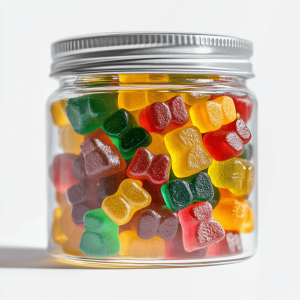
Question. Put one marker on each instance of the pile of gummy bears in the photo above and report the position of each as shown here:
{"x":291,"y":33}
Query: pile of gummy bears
{"x":153,"y":175}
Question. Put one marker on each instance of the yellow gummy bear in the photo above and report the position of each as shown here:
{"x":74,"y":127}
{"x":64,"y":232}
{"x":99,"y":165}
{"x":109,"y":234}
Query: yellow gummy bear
{"x":132,"y":99}
{"x":235,"y":174}
{"x":195,"y":97}
{"x":132,"y":245}
{"x":129,"y":198}
{"x":187,"y":151}
{"x":158,"y":145}
{"x":228,"y":109}
{"x":234,"y":214}
{"x":57,"y":235}
{"x":211,"y":115}
{"x":69,"y":140}
{"x":58,"y":112}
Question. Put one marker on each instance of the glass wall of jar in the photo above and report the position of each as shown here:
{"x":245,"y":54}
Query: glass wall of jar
{"x":152,"y":170}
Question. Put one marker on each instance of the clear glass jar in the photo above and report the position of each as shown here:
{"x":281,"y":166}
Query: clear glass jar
{"x":152,"y":170}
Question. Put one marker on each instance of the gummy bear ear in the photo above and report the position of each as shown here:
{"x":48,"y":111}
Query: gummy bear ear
{"x":202,"y":211}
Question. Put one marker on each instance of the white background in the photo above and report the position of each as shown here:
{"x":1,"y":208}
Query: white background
{"x":27,"y":28}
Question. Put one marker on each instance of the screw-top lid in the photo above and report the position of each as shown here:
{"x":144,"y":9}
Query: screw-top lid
{"x":141,"y":52}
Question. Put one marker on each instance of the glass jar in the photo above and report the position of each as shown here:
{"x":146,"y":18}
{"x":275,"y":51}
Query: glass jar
{"x":152,"y":147}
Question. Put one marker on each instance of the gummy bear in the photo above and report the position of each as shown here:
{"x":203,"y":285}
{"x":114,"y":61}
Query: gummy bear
{"x":129,"y":198}
{"x":211,"y":115}
{"x":87,"y":113}
{"x":155,"y":220}
{"x":230,"y":245}
{"x":235,"y":214}
{"x":179,"y":194}
{"x":145,"y":165}
{"x":227,"y":142}
{"x":101,"y":157}
{"x":235,"y":174}
{"x":187,"y":151}
{"x":101,"y":235}
{"x":83,"y":198}
{"x":120,"y":126}
{"x":243,"y":106}
{"x":174,"y":248}
{"x":132,"y":100}
{"x":199,"y":229}
{"x":58,"y":112}
{"x":158,"y":145}
{"x":61,"y":171}
{"x":69,"y":140}
{"x":133,"y":245}
{"x":79,"y":171}
{"x":163,"y":117}
{"x":57,"y":235}
{"x":72,"y":231}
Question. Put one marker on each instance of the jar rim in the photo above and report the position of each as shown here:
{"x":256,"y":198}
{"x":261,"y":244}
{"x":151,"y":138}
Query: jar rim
{"x":153,"y":53}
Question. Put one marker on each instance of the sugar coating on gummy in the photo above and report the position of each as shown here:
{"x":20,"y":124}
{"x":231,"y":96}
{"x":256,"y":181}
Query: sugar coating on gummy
{"x":230,"y":245}
{"x":187,"y":151}
{"x":179,"y":194}
{"x":128,"y":137}
{"x":154,"y":168}
{"x":129,"y":198}
{"x":101,"y":235}
{"x":235,"y":174}
{"x":163,"y":117}
{"x":61,"y":172}
{"x":155,"y":220}
{"x":227,"y":142}
{"x":101,"y":157}
{"x":199,"y":229}
{"x":87,"y":113}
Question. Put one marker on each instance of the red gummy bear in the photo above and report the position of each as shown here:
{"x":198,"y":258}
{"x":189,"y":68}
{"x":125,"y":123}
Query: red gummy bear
{"x":164,"y":117}
{"x":230,"y":245}
{"x":228,"y":141}
{"x":101,"y":157}
{"x":199,"y":229}
{"x":174,"y":249}
{"x":145,"y":165}
{"x":61,"y":171}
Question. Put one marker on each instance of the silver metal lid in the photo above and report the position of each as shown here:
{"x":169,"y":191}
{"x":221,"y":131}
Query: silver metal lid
{"x":142,"y":52}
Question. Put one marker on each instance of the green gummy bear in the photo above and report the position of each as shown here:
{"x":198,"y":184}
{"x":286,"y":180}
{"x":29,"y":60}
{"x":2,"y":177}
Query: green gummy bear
{"x":121,"y":128}
{"x":247,"y":152}
{"x":179,"y":194}
{"x":101,"y":235}
{"x":88,"y":112}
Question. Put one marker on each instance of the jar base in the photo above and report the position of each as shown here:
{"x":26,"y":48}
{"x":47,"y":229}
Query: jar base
{"x":133,"y":263}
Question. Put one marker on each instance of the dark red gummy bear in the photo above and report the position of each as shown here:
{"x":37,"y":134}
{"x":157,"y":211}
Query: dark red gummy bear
{"x":199,"y":229}
{"x":228,"y":141}
{"x":83,"y":198}
{"x":101,"y":157}
{"x":155,"y":191}
{"x":155,"y":220}
{"x":61,"y":171}
{"x":174,"y":248}
{"x":230,"y":245}
{"x":163,"y":117}
{"x":145,"y":165}
{"x":79,"y":167}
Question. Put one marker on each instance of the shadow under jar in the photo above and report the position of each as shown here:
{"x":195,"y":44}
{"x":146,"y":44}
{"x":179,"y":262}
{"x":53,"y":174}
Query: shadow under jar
{"x":152,"y":151}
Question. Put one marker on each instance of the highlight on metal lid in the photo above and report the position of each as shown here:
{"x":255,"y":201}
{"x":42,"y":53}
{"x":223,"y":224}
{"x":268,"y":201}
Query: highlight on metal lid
{"x":143,"y":52}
